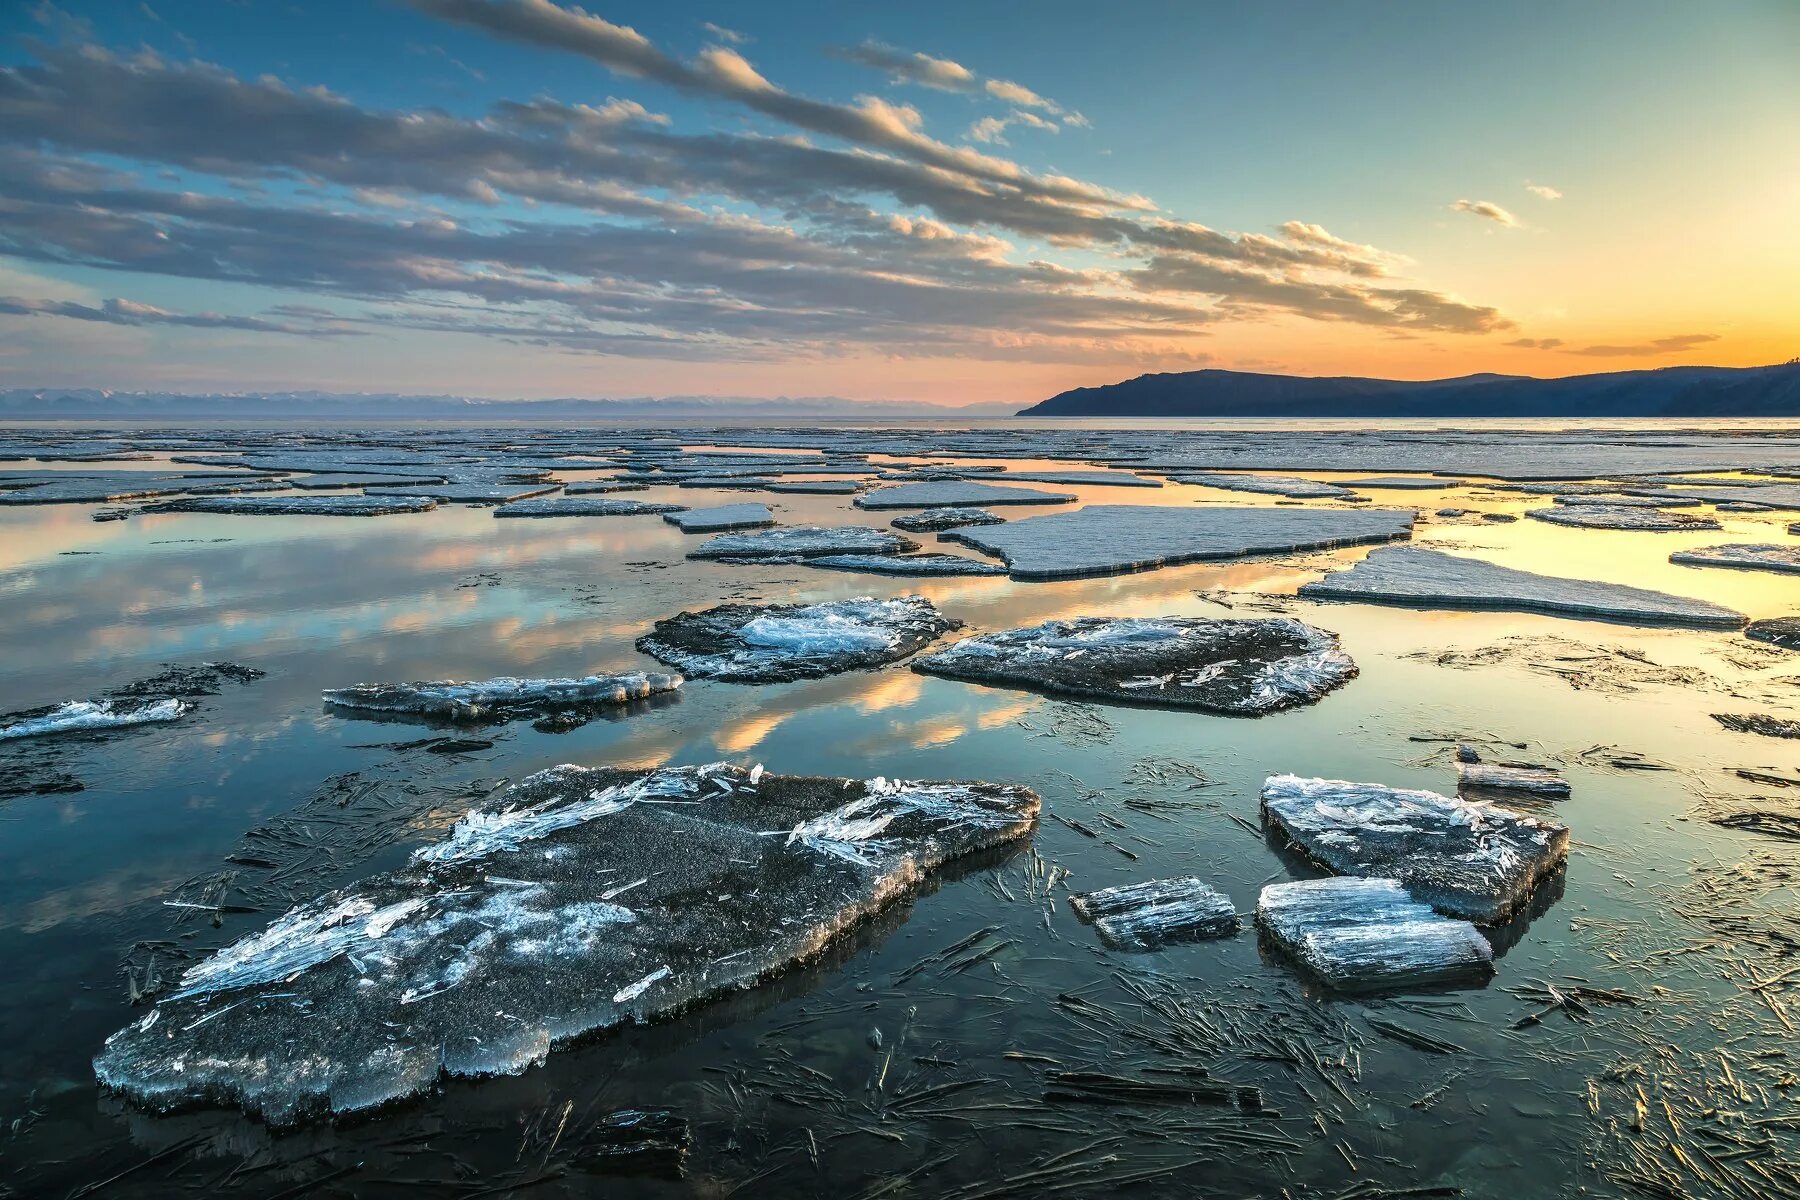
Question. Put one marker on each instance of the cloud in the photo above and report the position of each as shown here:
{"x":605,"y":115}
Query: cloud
{"x":1543,"y":191}
{"x":904,"y":66}
{"x":128,"y":312}
{"x":1487,"y":210}
{"x":993,"y":129}
{"x":1537,"y":343}
{"x":729,"y":36}
{"x":1674,"y":344}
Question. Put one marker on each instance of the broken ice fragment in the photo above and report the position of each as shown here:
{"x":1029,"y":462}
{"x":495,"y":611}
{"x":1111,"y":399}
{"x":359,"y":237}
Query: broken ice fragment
{"x":1463,"y":858}
{"x":955,"y":494}
{"x":804,"y":541}
{"x":906,"y":564}
{"x":500,"y":699}
{"x":79,"y":715}
{"x":633,"y":1142}
{"x":298,"y":506}
{"x":937,"y":520}
{"x":1474,"y":778}
{"x":1613,"y":516}
{"x":489,"y":949}
{"x":1746,"y":556}
{"x":1239,"y":667}
{"x":1290,"y":486}
{"x":581,"y":506}
{"x":749,"y":643}
{"x":1776,"y":631}
{"x":721,"y":517}
{"x":1369,"y":934}
{"x":1142,"y":916}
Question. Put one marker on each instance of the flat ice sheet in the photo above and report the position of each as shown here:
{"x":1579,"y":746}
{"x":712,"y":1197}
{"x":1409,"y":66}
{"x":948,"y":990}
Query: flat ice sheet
{"x":1415,"y":575}
{"x":772,"y":643}
{"x":1617,"y":516}
{"x":804,"y":541}
{"x":582,"y":506}
{"x":955,"y":494}
{"x":1747,"y":556}
{"x":1111,"y":539}
{"x":1365,"y":935}
{"x":906,"y":564}
{"x":577,"y":901}
{"x":721,"y":517}
{"x":1290,"y":486}
{"x":499,"y":699}
{"x":298,"y":506}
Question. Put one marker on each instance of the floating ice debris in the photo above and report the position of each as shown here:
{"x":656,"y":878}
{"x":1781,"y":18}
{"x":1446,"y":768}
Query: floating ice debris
{"x":1369,"y":935}
{"x":1465,"y":859}
{"x":1759,"y":723}
{"x":1747,"y":556}
{"x":1110,"y":539}
{"x":907,"y":564}
{"x":79,"y":715}
{"x":1236,"y":666}
{"x":955,"y":494}
{"x":633,"y":1142}
{"x":721,"y":517}
{"x":936,"y":520}
{"x":1610,"y":516}
{"x":1415,"y":575}
{"x":500,"y":699}
{"x":1776,"y":631}
{"x":1474,"y":778}
{"x":751,"y":643}
{"x":489,"y":949}
{"x":298,"y":506}
{"x":1142,"y":916}
{"x":469,"y":493}
{"x":805,"y":541}
{"x":579,"y":506}
{"x":1293,"y":487}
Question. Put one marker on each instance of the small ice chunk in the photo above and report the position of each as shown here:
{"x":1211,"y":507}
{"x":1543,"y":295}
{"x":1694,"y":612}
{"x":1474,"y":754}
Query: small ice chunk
{"x":79,"y":715}
{"x":1370,"y":935}
{"x":1743,"y":555}
{"x":1143,"y":916}
{"x":937,"y":520}
{"x":1477,"y":777}
{"x":721,"y":517}
{"x":502,"y":699}
{"x":1464,"y":858}
{"x":749,"y":643}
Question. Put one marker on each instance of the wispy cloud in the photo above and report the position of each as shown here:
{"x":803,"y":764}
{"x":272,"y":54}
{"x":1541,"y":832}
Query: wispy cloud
{"x":1674,"y":344}
{"x":1487,"y":210}
{"x":1543,"y":191}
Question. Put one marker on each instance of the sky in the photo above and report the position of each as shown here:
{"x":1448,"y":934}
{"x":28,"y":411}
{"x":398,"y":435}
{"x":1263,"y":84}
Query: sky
{"x":950,"y":203}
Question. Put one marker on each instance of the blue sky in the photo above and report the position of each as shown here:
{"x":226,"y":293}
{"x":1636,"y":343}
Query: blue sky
{"x":1319,"y":188}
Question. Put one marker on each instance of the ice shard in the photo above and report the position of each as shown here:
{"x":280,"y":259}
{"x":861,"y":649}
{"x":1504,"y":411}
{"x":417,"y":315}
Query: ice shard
{"x":1465,"y":859}
{"x":773,"y":643}
{"x":1243,"y":667}
{"x":79,"y":715}
{"x":1370,"y":935}
{"x":577,"y":901}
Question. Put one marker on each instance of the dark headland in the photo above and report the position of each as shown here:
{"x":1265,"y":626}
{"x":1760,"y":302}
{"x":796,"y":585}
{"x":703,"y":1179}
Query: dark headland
{"x":1772,"y":391}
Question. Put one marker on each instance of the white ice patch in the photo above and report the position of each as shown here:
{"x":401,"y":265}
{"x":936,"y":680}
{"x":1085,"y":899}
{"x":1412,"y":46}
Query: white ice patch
{"x":93,"y":714}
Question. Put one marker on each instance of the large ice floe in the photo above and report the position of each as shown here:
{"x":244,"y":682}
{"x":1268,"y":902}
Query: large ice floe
{"x":1743,"y":555}
{"x":772,"y":643}
{"x":1293,"y":487}
{"x":470,"y":493}
{"x":1463,"y":858}
{"x":577,"y":901}
{"x":956,"y":494}
{"x":77,"y":716}
{"x":1370,"y":935}
{"x":792,"y":542}
{"x":502,"y":699}
{"x":298,"y":506}
{"x":1243,"y":667}
{"x":906,"y":564}
{"x":721,"y":517}
{"x":1616,"y":516}
{"x":581,"y":506}
{"x":936,"y":520}
{"x":1430,"y":578}
{"x":1110,"y":539}
{"x":1157,"y":912}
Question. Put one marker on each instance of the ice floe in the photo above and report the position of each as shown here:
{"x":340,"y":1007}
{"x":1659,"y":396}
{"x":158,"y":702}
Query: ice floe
{"x":721,"y":517}
{"x":500,"y":699}
{"x":79,"y":715}
{"x":956,"y":494}
{"x":1614,"y":516}
{"x":937,"y":520}
{"x":804,"y":541}
{"x":1415,"y":575}
{"x":298,"y":506}
{"x":1110,"y":539}
{"x":1244,"y":667}
{"x":1463,"y":858}
{"x":1473,"y":779}
{"x":906,"y":564}
{"x":752,"y":643}
{"x":469,"y":493}
{"x":581,"y":506}
{"x":577,"y":901}
{"x":1746,"y":556}
{"x":1293,"y":487}
{"x":1370,"y":935}
{"x":1143,"y":916}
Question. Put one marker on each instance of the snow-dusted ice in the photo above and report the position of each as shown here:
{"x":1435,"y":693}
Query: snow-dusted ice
{"x":1244,"y":667}
{"x":721,"y":517}
{"x":1111,"y":539}
{"x":937,"y":520}
{"x":751,"y":643}
{"x":581,"y":506}
{"x":906,"y":564}
{"x":79,"y":715}
{"x":1291,"y":486}
{"x":500,"y":699}
{"x":1475,"y":778}
{"x":1614,"y":516}
{"x":804,"y":541}
{"x":299,"y":506}
{"x":1371,"y":935}
{"x":469,"y":493}
{"x":1415,"y":575}
{"x":1143,"y":916}
{"x":956,"y":494}
{"x":1760,"y":556}
{"x":577,"y":901}
{"x":1465,"y":859}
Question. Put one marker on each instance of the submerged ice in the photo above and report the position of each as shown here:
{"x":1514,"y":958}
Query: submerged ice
{"x":577,"y":901}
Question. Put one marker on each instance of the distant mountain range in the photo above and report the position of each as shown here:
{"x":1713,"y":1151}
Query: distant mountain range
{"x":82,"y":404}
{"x":1667,"y":392}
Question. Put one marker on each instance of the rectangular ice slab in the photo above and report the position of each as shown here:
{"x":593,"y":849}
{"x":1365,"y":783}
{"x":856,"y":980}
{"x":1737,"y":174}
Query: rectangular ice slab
{"x":804,"y":541}
{"x":721,"y":517}
{"x":581,"y":506}
{"x":298,"y":506}
{"x":1143,"y":916}
{"x":499,"y":699}
{"x":1415,"y":575}
{"x":954,"y":494}
{"x":1111,"y":539}
{"x":1745,"y":556}
{"x":1370,"y":935}
{"x":577,"y":901}
{"x":936,"y":520}
{"x":1241,"y":667}
{"x":1497,"y":777}
{"x":1463,"y":858}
